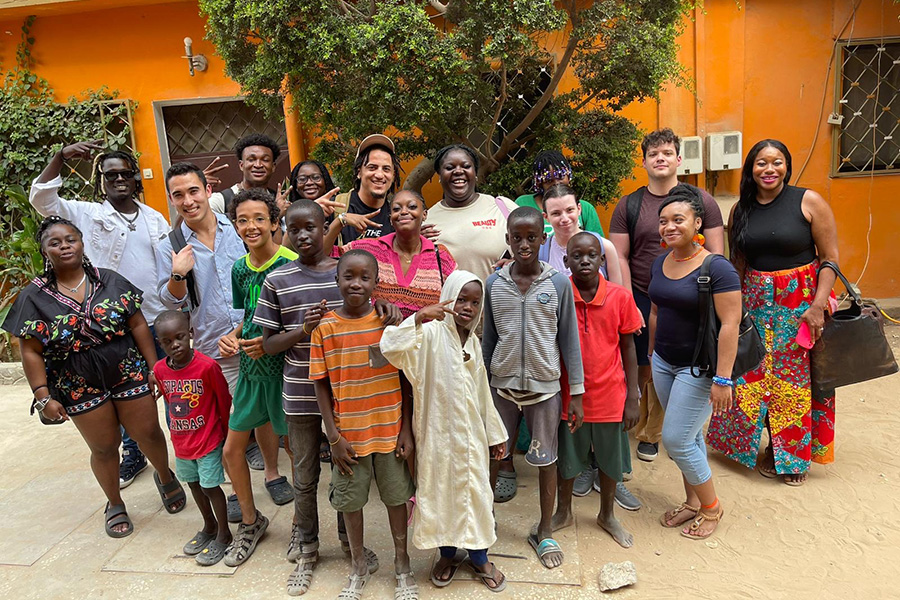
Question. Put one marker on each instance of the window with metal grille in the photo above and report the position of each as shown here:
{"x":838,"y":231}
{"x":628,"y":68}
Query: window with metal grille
{"x":867,"y":94}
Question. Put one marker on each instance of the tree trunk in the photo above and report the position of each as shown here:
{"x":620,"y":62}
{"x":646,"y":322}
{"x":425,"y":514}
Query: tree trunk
{"x":420,"y":175}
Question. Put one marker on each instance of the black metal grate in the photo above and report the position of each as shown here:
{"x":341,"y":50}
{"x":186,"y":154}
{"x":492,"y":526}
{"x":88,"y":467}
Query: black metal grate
{"x":869,"y":100}
{"x":215,"y":127}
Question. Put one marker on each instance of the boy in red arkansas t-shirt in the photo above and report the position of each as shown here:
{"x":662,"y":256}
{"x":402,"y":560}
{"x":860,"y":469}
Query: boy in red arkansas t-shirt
{"x":198,"y":404}
{"x":607,"y":316}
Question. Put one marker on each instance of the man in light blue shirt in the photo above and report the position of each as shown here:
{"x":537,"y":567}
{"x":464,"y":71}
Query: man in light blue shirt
{"x":212,"y":248}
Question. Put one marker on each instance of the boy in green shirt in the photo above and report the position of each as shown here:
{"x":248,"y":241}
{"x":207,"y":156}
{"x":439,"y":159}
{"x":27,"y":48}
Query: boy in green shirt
{"x":257,"y":395}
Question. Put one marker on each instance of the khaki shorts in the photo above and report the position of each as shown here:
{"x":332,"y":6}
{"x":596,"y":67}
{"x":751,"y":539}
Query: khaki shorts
{"x":349,"y":493}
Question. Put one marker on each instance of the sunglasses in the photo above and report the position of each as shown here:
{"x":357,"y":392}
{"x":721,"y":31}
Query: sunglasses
{"x":113,"y":175}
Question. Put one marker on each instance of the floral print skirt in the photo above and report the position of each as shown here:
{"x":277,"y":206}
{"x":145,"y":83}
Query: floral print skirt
{"x":801,"y":426}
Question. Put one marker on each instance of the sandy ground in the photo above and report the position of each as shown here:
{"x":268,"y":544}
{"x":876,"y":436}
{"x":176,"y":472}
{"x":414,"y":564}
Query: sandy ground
{"x":836,"y":537}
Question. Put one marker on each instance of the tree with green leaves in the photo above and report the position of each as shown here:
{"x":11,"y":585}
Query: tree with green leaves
{"x":486,"y":73}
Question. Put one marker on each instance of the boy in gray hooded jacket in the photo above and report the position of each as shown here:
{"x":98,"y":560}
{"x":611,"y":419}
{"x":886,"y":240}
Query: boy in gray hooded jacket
{"x":530,"y":332}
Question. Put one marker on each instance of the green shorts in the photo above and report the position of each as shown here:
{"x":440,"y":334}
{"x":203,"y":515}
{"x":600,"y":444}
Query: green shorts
{"x":575,"y":449}
{"x":208,"y":469}
{"x":349,"y":493}
{"x":257,"y":402}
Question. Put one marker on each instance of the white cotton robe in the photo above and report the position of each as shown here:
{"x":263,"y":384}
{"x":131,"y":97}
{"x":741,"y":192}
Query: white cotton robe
{"x":454,"y":423}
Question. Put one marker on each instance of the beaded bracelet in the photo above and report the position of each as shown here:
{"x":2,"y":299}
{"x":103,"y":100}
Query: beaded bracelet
{"x":723,"y":381}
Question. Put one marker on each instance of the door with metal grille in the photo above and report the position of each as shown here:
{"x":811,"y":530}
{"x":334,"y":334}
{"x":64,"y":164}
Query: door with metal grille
{"x":200,"y":132}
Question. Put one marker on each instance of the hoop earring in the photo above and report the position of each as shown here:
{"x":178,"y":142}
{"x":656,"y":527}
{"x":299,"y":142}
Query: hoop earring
{"x":699,"y":239}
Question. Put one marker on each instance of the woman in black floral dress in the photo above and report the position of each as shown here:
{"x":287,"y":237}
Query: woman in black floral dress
{"x":85,"y":350}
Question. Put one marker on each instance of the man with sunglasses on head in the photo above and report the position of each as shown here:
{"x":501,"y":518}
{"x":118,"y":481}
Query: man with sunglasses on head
{"x":120,"y":233}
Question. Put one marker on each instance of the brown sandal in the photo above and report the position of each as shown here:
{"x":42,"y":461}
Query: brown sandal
{"x":763,"y":470}
{"x":699,"y":520}
{"x":669,"y":515}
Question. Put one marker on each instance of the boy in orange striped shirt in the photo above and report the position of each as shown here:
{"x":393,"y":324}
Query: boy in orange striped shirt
{"x":367,"y":418}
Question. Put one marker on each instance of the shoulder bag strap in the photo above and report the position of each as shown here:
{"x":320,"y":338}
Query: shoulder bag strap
{"x":502,"y":206}
{"x":178,"y":242}
{"x":705,"y":297}
{"x":850,"y":289}
{"x":437,"y":257}
{"x":632,"y":212}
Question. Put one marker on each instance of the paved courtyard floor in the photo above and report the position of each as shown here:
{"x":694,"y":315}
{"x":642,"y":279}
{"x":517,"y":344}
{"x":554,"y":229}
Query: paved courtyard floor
{"x":836,"y":537}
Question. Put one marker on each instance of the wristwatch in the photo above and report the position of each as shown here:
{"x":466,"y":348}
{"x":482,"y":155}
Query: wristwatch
{"x":178,"y":277}
{"x":41,"y":404}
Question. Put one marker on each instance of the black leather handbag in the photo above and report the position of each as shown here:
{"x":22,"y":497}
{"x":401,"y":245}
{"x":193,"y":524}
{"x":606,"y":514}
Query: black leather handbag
{"x":853,"y":347}
{"x":750,"y":352}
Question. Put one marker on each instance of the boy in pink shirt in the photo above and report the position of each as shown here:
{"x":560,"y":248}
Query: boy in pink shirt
{"x":198,"y":403}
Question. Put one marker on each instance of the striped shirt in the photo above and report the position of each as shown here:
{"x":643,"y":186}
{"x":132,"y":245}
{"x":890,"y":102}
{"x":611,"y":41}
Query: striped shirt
{"x":286,"y":295}
{"x":365,"y":386}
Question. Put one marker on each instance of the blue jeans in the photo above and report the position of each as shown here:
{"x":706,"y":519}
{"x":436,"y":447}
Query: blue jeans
{"x":128,"y":443}
{"x":685,"y":399}
{"x":478,"y":557}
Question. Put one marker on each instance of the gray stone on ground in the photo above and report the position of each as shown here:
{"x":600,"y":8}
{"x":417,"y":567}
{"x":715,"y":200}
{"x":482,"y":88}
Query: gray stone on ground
{"x":617,"y":575}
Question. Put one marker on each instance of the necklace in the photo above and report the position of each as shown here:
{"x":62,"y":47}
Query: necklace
{"x":407,"y":258}
{"x":694,"y":255}
{"x":74,"y":290}
{"x":131,"y":225}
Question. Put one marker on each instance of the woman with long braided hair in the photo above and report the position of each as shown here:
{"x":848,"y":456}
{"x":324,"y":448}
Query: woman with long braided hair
{"x":88,"y":354}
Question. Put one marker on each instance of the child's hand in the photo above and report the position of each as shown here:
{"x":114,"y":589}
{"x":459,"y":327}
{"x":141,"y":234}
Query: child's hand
{"x":632,"y":413}
{"x":576,"y":413}
{"x":435,"y":312}
{"x":314,"y":315}
{"x":253,"y":348}
{"x":155,"y":391}
{"x":343,"y":456}
{"x":405,"y":444}
{"x":498,"y":451}
{"x":389,"y":313}
{"x":229,"y":345}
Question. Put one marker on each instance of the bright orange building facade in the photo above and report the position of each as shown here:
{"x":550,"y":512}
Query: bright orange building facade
{"x":761,"y":67}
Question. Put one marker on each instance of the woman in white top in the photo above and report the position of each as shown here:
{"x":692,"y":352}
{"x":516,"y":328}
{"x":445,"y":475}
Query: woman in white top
{"x":562,"y":210}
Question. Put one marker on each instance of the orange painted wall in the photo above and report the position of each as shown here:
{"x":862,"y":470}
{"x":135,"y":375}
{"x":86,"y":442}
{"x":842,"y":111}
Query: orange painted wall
{"x":136,"y":50}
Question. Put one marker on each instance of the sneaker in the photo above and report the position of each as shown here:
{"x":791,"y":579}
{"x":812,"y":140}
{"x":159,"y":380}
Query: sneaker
{"x":582,"y":486}
{"x":647,"y":451}
{"x":245,"y":541}
{"x":626,"y":499}
{"x":129,"y":468}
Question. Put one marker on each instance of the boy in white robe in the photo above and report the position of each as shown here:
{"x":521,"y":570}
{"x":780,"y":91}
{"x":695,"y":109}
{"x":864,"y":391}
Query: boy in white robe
{"x":453,"y":418}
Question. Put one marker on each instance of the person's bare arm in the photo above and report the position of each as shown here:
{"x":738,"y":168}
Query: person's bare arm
{"x":824,"y":233}
{"x":613,"y":266}
{"x":728,"y":309}
{"x":36,"y":373}
{"x":652,"y":342}
{"x":715,"y":240}
{"x":622,"y":242}
{"x":280,"y":341}
{"x":81,"y":150}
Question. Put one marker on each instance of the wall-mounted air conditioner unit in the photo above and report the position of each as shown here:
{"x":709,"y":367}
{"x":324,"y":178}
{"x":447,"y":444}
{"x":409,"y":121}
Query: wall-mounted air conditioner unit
{"x":723,"y":151}
{"x":691,"y":156}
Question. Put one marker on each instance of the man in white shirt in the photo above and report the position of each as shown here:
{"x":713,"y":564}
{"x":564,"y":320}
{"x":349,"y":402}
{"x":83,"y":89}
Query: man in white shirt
{"x":120,"y":233}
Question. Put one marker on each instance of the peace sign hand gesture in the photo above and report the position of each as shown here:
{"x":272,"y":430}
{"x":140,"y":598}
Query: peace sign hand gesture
{"x":80,"y":150}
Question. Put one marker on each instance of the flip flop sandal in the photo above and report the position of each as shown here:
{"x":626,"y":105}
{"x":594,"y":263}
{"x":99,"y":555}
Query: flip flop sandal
{"x":495,"y":572}
{"x":255,"y":457}
{"x":455,"y":563}
{"x":405,"y":590}
{"x":197,"y":543}
{"x":545,"y":547}
{"x":116,"y":515}
{"x":355,"y":588}
{"x":171,"y":502}
{"x":280,"y":491}
{"x":212,"y":554}
{"x":768,"y":474}
{"x":698,"y":521}
{"x":300,"y":579}
{"x":506,"y":487}
{"x":666,"y":516}
{"x":792,"y":482}
{"x":233,"y":508}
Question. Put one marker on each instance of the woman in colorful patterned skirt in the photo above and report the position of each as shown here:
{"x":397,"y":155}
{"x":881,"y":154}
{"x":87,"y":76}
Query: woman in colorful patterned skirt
{"x":85,"y":352}
{"x":779,"y":235}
